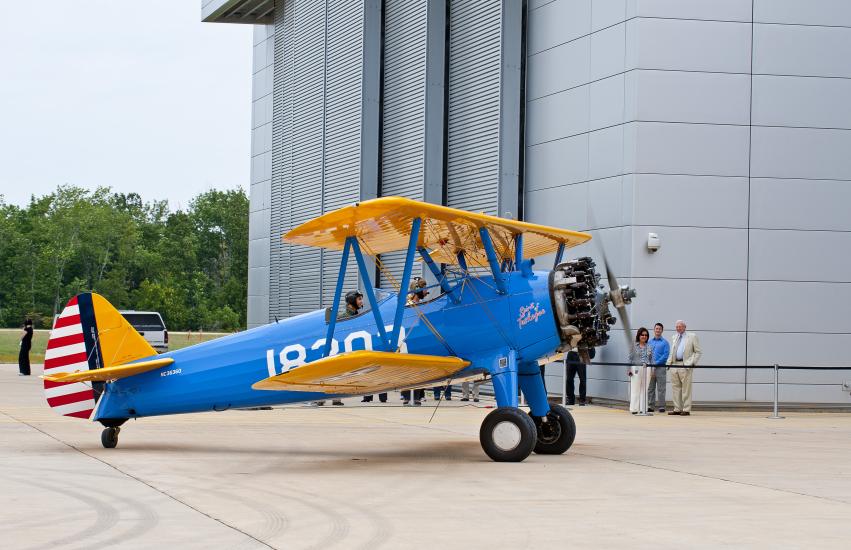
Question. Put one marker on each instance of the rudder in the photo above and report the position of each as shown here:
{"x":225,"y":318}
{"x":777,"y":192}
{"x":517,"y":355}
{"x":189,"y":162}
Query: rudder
{"x":89,"y":334}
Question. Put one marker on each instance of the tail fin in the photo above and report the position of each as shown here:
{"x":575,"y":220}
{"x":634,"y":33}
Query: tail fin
{"x":88,"y":334}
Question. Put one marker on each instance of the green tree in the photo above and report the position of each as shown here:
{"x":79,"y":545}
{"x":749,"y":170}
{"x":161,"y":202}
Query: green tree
{"x":190,"y":265}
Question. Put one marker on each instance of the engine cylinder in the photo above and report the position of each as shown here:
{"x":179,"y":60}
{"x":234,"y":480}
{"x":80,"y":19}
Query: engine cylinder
{"x":580,"y":304}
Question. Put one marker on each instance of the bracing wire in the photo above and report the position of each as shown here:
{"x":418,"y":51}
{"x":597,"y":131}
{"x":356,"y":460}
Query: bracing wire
{"x":416,"y":307}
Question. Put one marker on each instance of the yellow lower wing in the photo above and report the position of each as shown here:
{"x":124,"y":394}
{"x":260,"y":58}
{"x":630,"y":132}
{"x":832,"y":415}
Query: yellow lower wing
{"x":109,"y":374}
{"x":364,"y":372}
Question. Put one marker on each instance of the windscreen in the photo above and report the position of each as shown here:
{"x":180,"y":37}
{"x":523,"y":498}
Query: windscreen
{"x":144,"y":321}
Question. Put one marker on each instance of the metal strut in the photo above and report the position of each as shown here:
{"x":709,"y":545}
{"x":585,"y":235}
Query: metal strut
{"x":406,"y":279}
{"x":338,"y":291}
{"x":370,"y":294}
{"x":441,"y":277}
{"x":559,"y":255}
{"x":490,"y":252}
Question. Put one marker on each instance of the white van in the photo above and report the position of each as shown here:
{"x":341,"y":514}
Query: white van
{"x":150,"y":325}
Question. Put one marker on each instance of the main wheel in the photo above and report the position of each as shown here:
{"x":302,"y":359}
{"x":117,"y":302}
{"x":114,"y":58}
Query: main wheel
{"x":508,"y":435}
{"x":555,"y":432}
{"x":109,"y":437}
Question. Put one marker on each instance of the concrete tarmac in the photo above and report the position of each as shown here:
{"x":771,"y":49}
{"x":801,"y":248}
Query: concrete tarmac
{"x":384,"y":476}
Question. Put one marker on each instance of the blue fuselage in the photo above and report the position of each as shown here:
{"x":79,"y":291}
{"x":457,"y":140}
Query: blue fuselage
{"x":218,"y":375}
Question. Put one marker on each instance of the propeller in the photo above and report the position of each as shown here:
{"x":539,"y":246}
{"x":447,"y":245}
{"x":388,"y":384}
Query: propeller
{"x":619,"y":295}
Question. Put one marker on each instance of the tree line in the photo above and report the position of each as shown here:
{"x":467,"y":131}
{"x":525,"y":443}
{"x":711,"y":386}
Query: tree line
{"x":190,"y":264}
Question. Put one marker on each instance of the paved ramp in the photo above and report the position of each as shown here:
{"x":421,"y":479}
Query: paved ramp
{"x":383,"y":476}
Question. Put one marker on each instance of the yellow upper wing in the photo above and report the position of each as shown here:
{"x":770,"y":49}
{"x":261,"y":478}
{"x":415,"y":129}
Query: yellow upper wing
{"x":384,"y":225}
{"x":364,"y":372}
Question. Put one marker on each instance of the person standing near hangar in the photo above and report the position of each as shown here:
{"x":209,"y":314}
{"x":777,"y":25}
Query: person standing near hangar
{"x":685,"y":354}
{"x":656,"y":389}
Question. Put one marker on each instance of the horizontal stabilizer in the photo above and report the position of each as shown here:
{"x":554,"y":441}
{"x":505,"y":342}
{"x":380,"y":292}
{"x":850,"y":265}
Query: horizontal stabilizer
{"x":108,"y":374}
{"x":363,"y":372}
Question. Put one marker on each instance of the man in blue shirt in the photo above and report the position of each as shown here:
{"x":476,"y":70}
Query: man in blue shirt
{"x":661,"y":350}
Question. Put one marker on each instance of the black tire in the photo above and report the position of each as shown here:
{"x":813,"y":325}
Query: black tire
{"x":508,"y":435}
{"x":109,"y":437}
{"x":555,"y":432}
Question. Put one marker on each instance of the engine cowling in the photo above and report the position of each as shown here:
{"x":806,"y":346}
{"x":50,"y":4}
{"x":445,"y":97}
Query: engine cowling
{"x":581,"y":305}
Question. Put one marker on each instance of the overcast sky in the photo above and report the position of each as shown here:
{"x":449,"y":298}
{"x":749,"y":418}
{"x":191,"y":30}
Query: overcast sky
{"x":138,"y":95}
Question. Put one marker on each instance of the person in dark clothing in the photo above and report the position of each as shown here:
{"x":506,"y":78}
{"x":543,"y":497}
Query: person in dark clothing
{"x":447,"y":392}
{"x":576,"y":366}
{"x":418,"y":397}
{"x":368,"y":398}
{"x":26,"y":346}
{"x":354,"y":303}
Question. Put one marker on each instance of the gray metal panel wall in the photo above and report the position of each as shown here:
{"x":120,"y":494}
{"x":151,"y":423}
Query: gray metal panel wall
{"x":322,"y":106}
{"x":413,"y":115}
{"x":475,"y":46}
{"x":724,"y":137}
{"x":308,"y":117}
{"x":404,"y":108}
{"x":402,"y":154}
{"x":342,"y":141}
{"x":279,"y":295}
{"x":259,"y":269}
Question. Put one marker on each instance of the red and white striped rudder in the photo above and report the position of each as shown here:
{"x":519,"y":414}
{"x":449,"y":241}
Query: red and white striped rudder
{"x":69,"y":351}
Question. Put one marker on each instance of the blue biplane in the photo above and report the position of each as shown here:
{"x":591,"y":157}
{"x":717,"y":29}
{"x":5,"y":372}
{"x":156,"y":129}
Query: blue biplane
{"x":493,"y":317}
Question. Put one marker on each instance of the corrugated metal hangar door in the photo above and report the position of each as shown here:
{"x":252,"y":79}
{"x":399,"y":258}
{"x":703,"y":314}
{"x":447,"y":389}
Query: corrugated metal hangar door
{"x":318,"y":122}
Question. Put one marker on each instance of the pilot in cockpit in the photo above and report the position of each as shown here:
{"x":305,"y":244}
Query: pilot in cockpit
{"x":417,"y":291}
{"x":354,"y":303}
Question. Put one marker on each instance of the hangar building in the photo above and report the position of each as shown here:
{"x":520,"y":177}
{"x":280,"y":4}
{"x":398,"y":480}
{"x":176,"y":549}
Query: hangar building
{"x":722,"y":126}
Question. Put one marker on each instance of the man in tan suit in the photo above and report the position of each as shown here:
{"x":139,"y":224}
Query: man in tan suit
{"x":685,"y":353}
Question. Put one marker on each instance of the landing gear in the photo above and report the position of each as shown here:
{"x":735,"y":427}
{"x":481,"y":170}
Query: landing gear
{"x":555,"y":432}
{"x":508,"y":435}
{"x":109,"y":437}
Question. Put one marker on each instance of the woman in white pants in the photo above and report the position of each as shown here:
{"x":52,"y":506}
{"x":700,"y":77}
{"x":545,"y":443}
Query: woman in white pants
{"x":642,"y":354}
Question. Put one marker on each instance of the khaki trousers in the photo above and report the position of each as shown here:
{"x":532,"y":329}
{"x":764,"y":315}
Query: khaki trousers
{"x":681,"y":378}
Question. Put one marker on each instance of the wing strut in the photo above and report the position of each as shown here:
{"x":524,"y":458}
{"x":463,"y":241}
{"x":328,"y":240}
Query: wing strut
{"x":338,"y":291}
{"x":559,"y":255}
{"x":518,"y":250}
{"x":462,"y":260}
{"x":385,"y":343}
{"x":403,"y":286}
{"x":441,"y":277}
{"x":490,"y":252}
{"x":388,"y":343}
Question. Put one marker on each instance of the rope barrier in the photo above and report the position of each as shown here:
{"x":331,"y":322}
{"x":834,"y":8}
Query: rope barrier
{"x":775,"y":414}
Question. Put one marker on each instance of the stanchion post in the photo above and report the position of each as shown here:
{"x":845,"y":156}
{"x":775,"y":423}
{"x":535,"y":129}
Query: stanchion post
{"x":776,"y":413}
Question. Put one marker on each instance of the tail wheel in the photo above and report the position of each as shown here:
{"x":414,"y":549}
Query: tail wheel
{"x":508,"y":435}
{"x":109,"y":437}
{"x":555,"y":432}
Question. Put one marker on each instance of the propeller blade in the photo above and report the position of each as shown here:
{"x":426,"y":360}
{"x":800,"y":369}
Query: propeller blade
{"x":614,"y":288}
{"x":613,"y":282}
{"x":627,"y":327}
